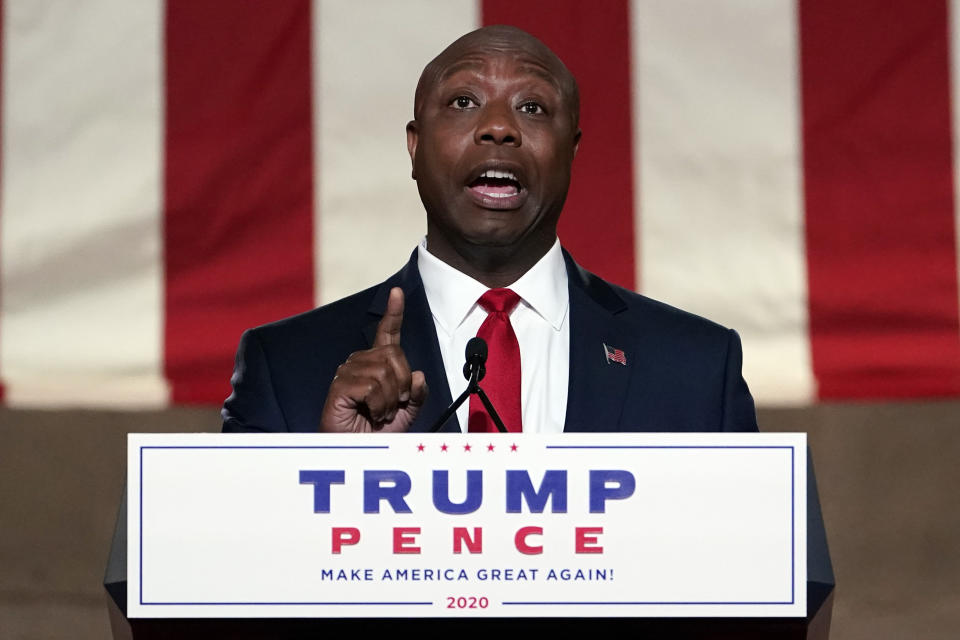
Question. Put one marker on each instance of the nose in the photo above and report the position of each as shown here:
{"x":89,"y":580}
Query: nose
{"x":498,"y":126}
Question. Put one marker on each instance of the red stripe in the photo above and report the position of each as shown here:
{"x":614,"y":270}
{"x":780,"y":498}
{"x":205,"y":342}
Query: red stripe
{"x":879,"y":196}
{"x":238,"y":182}
{"x":597,"y":225}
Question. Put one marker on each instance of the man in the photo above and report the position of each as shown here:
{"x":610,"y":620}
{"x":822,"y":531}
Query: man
{"x":492,"y":142}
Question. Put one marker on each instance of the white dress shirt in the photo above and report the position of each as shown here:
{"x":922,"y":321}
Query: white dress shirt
{"x":540,"y":321}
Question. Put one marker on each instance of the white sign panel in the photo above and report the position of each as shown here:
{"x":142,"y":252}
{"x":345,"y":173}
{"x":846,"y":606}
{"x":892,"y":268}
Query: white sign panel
{"x":431,"y":525}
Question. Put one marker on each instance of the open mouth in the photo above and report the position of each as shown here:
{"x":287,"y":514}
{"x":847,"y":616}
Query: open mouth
{"x":496,"y":183}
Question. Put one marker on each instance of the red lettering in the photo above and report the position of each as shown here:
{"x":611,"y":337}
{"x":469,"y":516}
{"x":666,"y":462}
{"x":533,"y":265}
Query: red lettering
{"x":520,"y":540}
{"x":586,"y":542}
{"x":462,"y":537}
{"x":404,"y":540}
{"x":343,"y":536}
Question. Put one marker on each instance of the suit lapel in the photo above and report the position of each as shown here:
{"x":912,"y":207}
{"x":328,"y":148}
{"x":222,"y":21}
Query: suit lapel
{"x":597,"y":387}
{"x":418,"y":338}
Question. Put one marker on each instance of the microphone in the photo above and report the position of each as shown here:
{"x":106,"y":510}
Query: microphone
{"x":474,"y":369}
{"x":476,"y":355}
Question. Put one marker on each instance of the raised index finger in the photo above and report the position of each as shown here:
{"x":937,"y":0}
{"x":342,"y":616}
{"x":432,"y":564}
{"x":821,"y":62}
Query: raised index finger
{"x":388,"y":331}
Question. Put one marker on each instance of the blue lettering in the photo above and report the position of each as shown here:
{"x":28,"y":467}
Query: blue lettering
{"x":600,"y":492}
{"x":441,"y":492}
{"x":321,"y":481}
{"x":374,"y":491}
{"x":520,"y":487}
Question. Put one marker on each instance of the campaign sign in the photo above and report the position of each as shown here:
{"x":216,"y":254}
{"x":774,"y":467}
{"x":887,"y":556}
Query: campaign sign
{"x":431,"y":525}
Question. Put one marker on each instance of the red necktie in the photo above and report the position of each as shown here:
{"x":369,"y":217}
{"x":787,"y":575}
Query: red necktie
{"x":502,"y":382}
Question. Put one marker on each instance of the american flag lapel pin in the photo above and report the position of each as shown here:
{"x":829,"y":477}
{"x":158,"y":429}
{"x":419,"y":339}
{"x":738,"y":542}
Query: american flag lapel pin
{"x":614,"y":355}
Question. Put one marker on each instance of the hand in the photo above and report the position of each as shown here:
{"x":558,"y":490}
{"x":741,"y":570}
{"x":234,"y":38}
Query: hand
{"x":374,"y":390}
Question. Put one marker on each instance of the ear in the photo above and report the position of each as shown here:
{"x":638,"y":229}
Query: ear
{"x":412,"y":136}
{"x":576,"y":141}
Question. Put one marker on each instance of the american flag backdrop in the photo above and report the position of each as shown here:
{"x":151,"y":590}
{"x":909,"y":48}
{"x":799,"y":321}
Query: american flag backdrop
{"x":174,"y":172}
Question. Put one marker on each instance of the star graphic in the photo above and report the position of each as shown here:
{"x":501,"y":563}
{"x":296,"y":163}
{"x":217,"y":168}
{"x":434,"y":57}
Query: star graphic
{"x":443,"y":447}
{"x":420,"y":447}
{"x":489,"y":447}
{"x":513,"y":447}
{"x":466,"y":447}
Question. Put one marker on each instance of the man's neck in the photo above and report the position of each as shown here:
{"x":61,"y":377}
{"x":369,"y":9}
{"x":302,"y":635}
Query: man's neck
{"x":494,"y":267}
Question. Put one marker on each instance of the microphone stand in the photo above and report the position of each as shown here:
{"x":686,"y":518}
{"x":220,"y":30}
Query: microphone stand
{"x":473,"y":386}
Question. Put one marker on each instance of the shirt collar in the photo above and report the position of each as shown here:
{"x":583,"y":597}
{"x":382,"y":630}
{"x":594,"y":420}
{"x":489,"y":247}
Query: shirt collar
{"x":453,"y":294}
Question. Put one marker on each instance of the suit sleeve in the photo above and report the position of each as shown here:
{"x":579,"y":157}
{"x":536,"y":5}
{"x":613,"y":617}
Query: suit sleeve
{"x":252,"y":406}
{"x":739,"y":413}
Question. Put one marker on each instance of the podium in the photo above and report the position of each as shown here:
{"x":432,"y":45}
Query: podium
{"x":816,"y":624}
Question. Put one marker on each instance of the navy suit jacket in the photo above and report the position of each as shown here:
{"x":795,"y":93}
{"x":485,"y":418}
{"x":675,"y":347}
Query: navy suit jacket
{"x":682,"y":372}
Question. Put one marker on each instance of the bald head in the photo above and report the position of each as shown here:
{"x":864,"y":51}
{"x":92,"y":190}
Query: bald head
{"x":500,"y":40}
{"x":491,"y":145}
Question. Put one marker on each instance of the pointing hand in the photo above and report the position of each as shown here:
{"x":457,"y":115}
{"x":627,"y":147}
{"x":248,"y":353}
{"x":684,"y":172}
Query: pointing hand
{"x":374,"y":390}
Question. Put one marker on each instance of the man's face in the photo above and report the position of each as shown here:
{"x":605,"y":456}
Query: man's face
{"x":491,"y":148}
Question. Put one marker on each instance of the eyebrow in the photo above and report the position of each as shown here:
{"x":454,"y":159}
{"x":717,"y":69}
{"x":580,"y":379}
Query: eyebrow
{"x":527,"y":66}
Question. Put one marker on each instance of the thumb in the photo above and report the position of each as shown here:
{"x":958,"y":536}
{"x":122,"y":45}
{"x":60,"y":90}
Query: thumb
{"x":418,"y":389}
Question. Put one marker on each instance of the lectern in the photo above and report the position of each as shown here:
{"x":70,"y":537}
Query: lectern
{"x":745,"y":565}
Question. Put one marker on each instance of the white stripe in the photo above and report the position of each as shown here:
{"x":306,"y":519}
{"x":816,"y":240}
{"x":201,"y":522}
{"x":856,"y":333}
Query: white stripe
{"x":367,"y":59}
{"x":719,"y":201}
{"x":81,"y":231}
{"x":953,"y":9}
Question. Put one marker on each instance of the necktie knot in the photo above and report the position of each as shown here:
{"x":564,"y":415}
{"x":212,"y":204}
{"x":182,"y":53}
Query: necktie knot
{"x":499,"y":301}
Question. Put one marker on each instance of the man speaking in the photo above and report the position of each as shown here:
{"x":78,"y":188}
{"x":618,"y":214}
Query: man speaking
{"x":492,"y":143}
